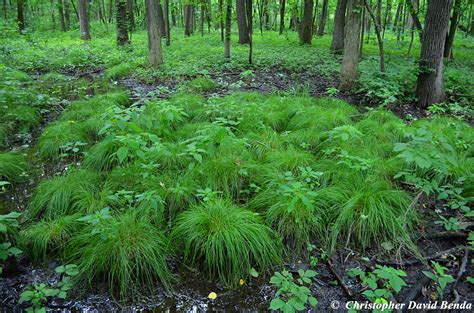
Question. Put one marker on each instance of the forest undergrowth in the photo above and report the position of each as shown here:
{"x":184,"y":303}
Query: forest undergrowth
{"x":133,"y":179}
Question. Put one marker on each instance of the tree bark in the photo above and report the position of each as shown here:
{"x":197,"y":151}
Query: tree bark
{"x":430,"y":87}
{"x":415,"y":19}
{"x":130,"y":16}
{"x":249,"y":9}
{"x":306,"y":27}
{"x":242,"y":22}
{"x":221,"y":19}
{"x":228,"y":17}
{"x":62,"y":23}
{"x":67,"y":14}
{"x":350,"y":58}
{"x":337,"y":44}
{"x":397,"y":16}
{"x":83,"y":20}
{"x":161,"y":20}
{"x":448,"y":47}
{"x":53,"y":19}
{"x":188,"y":22}
{"x":282,"y":16}
{"x":322,"y":21}
{"x":155,"y":53}
{"x":122,"y":29}
{"x":166,"y":10}
{"x":378,"y":30}
{"x":20,"y":16}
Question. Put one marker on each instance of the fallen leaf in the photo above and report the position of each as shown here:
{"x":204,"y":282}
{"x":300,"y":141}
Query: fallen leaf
{"x":212,"y":295}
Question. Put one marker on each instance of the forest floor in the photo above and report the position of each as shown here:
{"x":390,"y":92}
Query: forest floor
{"x":332,"y":287}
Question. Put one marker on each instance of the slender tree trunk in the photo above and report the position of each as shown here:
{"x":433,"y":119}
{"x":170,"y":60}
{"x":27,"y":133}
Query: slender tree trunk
{"x":448,"y":47}
{"x":322,"y":21}
{"x":249,"y":9}
{"x":161,"y":20}
{"x":397,"y":16}
{"x":4,"y":7}
{"x":20,"y":16}
{"x":388,"y":17}
{"x":350,"y":59}
{"x":282,"y":16}
{"x":378,"y":30}
{"x":83,"y":20}
{"x":362,"y":31}
{"x":242,"y":21}
{"x":201,"y":18}
{"x":122,"y":29}
{"x":430,"y":87}
{"x":67,"y":15}
{"x":130,"y":16}
{"x":61,"y":15}
{"x":337,"y":44}
{"x":51,"y":9}
{"x":111,"y":10}
{"x":167,"y":22}
{"x":228,"y":17}
{"x":414,"y":17}
{"x":306,"y":31}
{"x":155,"y":53}
{"x":188,"y":16}
{"x":221,"y":19}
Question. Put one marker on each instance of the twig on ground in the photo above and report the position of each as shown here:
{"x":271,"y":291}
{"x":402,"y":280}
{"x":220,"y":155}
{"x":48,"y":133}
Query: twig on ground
{"x":461,"y":271}
{"x":446,"y":235}
{"x":339,"y":279}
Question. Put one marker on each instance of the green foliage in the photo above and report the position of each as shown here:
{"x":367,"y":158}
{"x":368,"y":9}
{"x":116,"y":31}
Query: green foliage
{"x":56,"y":138}
{"x":373,"y":212}
{"x":48,"y":236}
{"x":227,"y":241}
{"x":13,"y":167}
{"x":62,"y":195}
{"x":382,"y":283}
{"x":8,"y":225}
{"x":119,"y":71}
{"x":200,"y":84}
{"x":292,"y":294}
{"x":439,"y":277}
{"x":38,"y":295}
{"x":127,"y":251}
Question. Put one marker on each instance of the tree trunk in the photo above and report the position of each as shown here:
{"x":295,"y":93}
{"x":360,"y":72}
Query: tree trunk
{"x":415,"y":19}
{"x":430,"y":87}
{"x":378,"y":30}
{"x":83,"y":20}
{"x":448,"y":47}
{"x":122,"y":31}
{"x":161,"y":20}
{"x":155,"y":53}
{"x":282,"y":16}
{"x":337,"y":44}
{"x":221,"y":19}
{"x":61,"y":15}
{"x":228,"y":17}
{"x":242,"y":22}
{"x":322,"y":21}
{"x":397,"y":16}
{"x":306,"y":28}
{"x":388,"y":17}
{"x":188,"y":15}
{"x":20,"y":17}
{"x":51,"y":9}
{"x":67,"y":14}
{"x":249,"y":9}
{"x":167,"y":21}
{"x":130,"y":16}
{"x":350,"y":58}
{"x":4,"y":7}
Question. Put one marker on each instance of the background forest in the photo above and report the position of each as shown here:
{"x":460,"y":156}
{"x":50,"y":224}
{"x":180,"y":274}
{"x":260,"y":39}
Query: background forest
{"x":236,"y":155}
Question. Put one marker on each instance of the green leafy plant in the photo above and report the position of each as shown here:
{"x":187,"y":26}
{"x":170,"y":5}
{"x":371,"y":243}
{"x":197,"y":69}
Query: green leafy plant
{"x":383,"y":282}
{"x":8,"y":225}
{"x":439,"y":277}
{"x":292,"y":293}
{"x":38,"y":295}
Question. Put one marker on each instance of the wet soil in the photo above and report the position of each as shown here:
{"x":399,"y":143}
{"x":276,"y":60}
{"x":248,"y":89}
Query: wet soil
{"x":191,"y":292}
